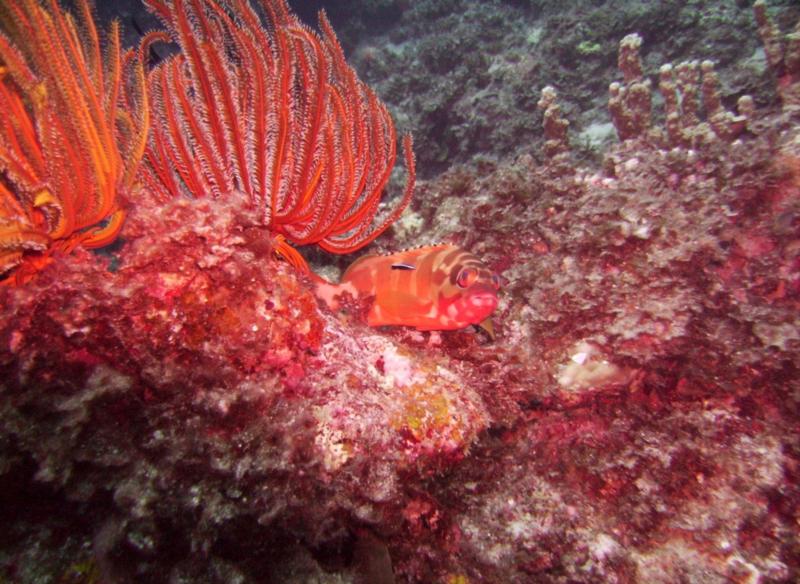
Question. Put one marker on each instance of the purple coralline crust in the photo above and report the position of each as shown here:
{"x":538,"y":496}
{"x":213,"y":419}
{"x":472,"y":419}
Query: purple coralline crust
{"x":649,"y":342}
{"x":636,"y":419}
{"x":632,"y":495}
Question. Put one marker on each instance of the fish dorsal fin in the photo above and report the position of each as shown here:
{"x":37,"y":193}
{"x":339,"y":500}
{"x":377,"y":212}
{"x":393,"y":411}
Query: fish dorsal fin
{"x":410,"y":256}
{"x":405,"y":257}
{"x":416,"y":250}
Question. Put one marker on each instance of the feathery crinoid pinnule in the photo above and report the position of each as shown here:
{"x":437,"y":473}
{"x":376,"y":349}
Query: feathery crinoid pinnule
{"x":72,"y":133}
{"x":273,"y":113}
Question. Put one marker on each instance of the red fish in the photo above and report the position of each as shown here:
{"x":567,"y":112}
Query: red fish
{"x":440,"y":287}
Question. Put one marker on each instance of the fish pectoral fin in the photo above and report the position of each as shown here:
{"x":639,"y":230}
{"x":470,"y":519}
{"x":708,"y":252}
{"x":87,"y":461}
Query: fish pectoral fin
{"x":401,"y":303}
{"x":399,"y":308}
{"x":488,"y":326}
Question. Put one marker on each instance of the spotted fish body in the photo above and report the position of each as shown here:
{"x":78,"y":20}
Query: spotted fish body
{"x":441,"y":287}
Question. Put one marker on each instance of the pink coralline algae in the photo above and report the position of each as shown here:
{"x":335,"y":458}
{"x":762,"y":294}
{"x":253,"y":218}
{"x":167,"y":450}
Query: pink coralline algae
{"x":214,"y":358}
{"x":197,"y":415}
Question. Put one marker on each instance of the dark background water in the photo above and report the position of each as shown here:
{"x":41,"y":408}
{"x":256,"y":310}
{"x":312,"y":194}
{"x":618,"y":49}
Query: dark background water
{"x":465,"y":77}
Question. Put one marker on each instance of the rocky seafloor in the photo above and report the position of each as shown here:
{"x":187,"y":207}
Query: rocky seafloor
{"x":182,"y":408}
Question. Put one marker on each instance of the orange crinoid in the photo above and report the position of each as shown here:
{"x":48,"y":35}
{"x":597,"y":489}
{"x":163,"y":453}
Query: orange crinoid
{"x":274,"y":114}
{"x":70,"y":137}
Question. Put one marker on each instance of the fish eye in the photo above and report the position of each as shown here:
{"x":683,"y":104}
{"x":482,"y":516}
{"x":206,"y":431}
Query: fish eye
{"x":466,"y":277}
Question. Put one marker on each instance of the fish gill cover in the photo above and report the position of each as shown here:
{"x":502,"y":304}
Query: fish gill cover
{"x":197,"y":415}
